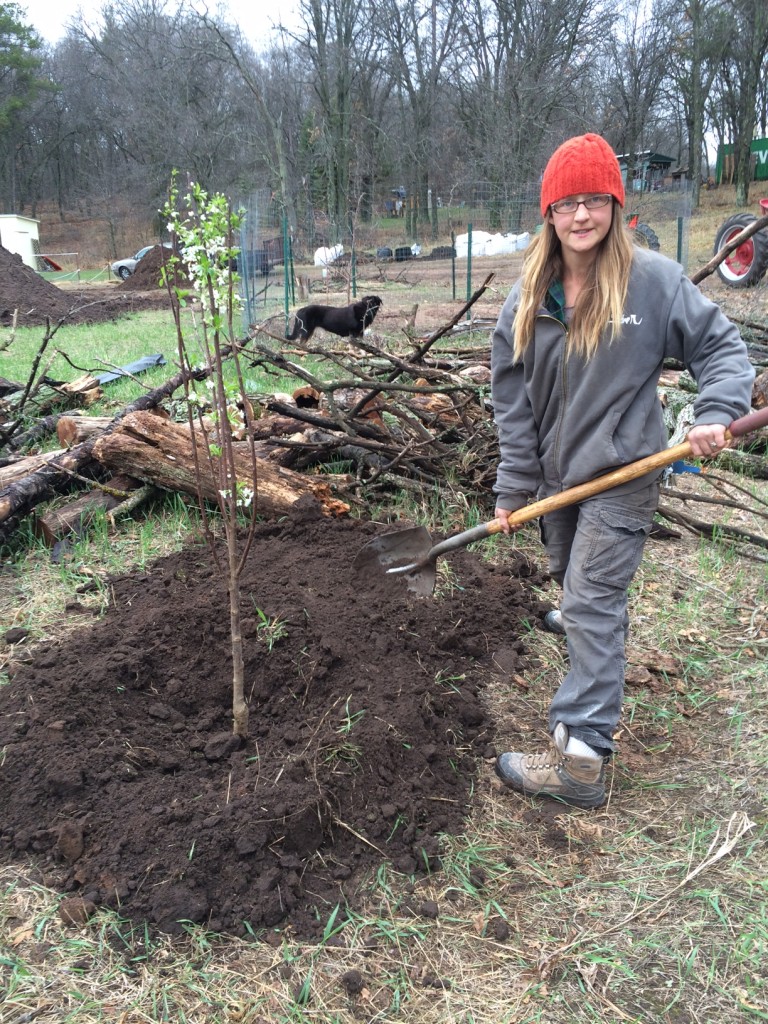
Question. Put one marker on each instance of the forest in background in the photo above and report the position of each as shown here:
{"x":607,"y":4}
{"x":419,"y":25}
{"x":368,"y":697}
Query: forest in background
{"x":435,"y":97}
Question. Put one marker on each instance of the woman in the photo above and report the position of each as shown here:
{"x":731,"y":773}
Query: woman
{"x":577,"y":354}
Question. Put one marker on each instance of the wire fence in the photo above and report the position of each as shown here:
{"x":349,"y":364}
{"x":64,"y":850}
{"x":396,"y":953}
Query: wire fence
{"x":453,"y":226}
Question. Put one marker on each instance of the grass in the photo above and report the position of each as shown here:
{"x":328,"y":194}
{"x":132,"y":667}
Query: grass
{"x":651,"y":909}
{"x":77,"y":276}
{"x":97,"y":348}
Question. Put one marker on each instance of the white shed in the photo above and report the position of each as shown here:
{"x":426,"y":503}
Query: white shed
{"x":20,"y":235}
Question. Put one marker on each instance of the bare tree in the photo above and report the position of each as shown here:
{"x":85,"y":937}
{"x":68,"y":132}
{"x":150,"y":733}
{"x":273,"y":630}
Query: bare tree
{"x":376,"y":142}
{"x":274,"y":85}
{"x":419,"y":40}
{"x":521,"y":74}
{"x":698,"y":44}
{"x":160,"y":97}
{"x":638,"y":49}
{"x":738,"y":82}
{"x":335,"y":39}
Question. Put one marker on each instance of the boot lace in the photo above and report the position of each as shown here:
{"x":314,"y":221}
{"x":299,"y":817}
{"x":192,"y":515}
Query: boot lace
{"x":541,"y":762}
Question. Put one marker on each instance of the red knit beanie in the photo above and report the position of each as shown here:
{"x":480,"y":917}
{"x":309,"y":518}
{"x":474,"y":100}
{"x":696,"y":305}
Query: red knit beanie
{"x":583,"y":164}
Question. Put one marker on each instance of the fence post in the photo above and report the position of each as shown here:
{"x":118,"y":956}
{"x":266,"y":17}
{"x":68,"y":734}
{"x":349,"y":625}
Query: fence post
{"x":286,"y":273}
{"x":469,"y":265}
{"x":453,"y":264}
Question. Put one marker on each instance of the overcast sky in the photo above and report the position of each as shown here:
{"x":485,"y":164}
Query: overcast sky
{"x":255,"y":17}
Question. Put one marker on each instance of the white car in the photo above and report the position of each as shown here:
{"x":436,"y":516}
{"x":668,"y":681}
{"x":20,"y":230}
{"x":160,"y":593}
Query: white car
{"x":124,"y":268}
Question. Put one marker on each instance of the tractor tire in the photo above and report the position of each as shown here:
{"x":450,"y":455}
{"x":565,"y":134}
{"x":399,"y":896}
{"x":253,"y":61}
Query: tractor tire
{"x":647,"y":237}
{"x":746,"y":265}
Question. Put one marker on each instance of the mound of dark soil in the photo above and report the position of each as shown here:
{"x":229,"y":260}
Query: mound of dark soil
{"x":36,"y":300}
{"x":121,"y":776}
{"x":147,"y":274}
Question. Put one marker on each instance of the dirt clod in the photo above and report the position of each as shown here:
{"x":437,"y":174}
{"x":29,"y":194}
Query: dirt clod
{"x":76,"y":911}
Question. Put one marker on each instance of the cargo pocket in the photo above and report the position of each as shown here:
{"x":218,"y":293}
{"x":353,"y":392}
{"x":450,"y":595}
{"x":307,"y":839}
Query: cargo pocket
{"x":617,"y":546}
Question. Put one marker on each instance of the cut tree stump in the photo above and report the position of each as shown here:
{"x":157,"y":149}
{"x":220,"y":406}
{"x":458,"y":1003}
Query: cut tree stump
{"x":161,"y":452}
{"x":71,"y":430}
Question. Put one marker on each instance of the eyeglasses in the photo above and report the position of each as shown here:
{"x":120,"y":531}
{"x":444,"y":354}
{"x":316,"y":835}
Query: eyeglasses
{"x":590,"y":203}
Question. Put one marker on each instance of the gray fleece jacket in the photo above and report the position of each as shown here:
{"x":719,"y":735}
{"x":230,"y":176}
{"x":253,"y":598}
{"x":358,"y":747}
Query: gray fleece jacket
{"x":562,"y":422}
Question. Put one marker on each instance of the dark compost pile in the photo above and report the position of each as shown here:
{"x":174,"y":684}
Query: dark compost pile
{"x":369,"y":722}
{"x":35,"y":300}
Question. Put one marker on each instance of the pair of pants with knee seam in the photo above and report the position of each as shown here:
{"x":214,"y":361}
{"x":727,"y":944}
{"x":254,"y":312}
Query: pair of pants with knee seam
{"x":594,"y":550}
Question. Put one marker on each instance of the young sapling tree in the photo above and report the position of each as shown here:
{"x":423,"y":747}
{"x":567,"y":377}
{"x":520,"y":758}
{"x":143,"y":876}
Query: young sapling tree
{"x":205,"y":226}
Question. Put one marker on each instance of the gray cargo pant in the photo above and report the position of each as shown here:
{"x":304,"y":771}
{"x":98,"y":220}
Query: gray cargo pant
{"x":594,"y":551}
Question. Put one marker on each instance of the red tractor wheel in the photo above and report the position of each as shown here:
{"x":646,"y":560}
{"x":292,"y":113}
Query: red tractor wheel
{"x":746,"y":265}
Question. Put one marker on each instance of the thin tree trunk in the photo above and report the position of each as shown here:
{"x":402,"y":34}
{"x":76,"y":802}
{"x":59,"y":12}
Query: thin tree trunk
{"x":239,"y":704}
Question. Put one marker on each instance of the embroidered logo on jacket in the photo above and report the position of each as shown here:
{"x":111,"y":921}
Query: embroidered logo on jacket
{"x":632,"y":318}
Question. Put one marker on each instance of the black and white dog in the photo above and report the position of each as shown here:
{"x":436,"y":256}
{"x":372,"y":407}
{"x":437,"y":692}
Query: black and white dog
{"x":346,"y":321}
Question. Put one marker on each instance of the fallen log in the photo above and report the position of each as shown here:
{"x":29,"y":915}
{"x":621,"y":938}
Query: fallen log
{"x":19,"y":468}
{"x":84,"y":390}
{"x":22,"y":496}
{"x":72,"y":430}
{"x":712,"y":531}
{"x":745,"y":463}
{"x":276,"y":426}
{"x":74,"y":518}
{"x":9,"y":387}
{"x":44,"y":427}
{"x":161,"y":452}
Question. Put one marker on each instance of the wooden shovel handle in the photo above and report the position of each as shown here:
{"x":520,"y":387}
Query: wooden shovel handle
{"x":572,"y":495}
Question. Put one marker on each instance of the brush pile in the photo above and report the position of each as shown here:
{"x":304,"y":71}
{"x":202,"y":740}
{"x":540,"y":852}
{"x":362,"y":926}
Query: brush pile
{"x":379,"y":424}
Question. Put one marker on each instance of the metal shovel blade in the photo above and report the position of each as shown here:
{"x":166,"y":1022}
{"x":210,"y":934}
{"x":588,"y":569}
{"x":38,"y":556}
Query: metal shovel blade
{"x":396,"y":550}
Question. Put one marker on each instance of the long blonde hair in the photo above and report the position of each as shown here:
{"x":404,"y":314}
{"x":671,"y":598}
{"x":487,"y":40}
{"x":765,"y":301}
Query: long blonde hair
{"x":601,"y":301}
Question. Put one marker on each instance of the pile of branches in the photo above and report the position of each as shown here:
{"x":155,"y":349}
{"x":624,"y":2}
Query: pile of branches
{"x":372,"y":424}
{"x":415,"y":421}
{"x":393,"y":421}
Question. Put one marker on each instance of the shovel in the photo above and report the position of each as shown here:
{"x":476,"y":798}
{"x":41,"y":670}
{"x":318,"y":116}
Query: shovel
{"x":410,"y":553}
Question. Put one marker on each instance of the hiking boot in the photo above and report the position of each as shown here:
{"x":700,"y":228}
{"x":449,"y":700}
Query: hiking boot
{"x":553,"y":621}
{"x":572,"y":778}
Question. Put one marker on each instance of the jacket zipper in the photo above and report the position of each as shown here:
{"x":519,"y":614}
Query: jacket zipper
{"x":563,"y":385}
